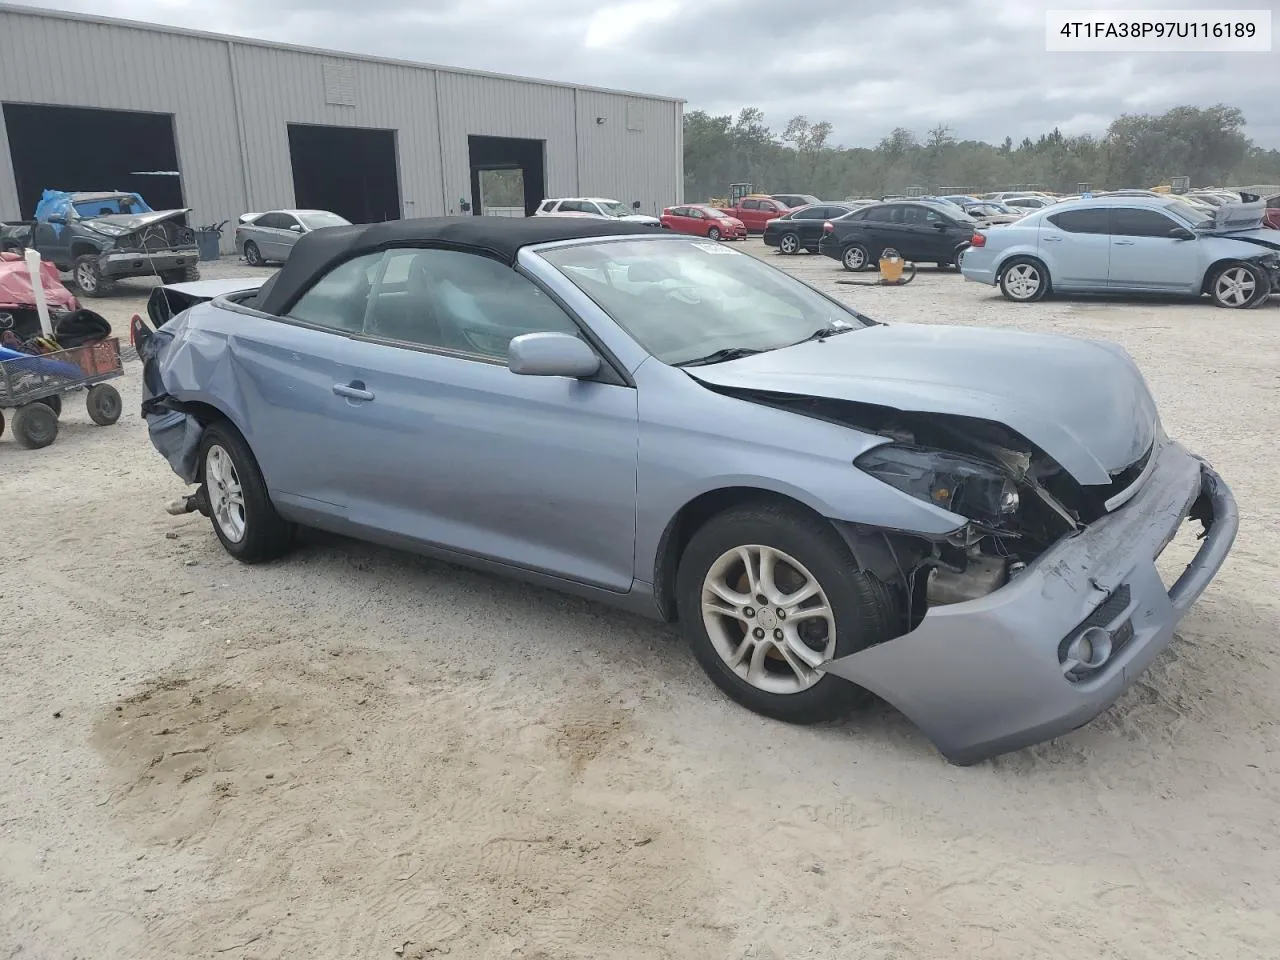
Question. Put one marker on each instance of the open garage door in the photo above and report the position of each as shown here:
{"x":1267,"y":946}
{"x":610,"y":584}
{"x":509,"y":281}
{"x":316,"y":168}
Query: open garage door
{"x":524,"y":162}
{"x":350,"y":171}
{"x":81,"y":149}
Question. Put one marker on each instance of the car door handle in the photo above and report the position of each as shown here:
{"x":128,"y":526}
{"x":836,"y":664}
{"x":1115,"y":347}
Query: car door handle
{"x":1124,"y":243}
{"x":353,"y":391}
{"x":1052,"y":239}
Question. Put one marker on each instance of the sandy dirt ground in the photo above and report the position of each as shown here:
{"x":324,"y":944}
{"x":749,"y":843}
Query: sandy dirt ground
{"x":353,"y":753}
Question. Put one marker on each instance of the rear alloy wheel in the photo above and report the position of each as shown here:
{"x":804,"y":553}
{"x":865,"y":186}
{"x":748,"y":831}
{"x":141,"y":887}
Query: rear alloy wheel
{"x":855,"y":257}
{"x":767,"y":595}
{"x":714,"y":233}
{"x":1024,"y":281}
{"x":789,"y":244}
{"x":252,"y":256}
{"x":243,"y":516}
{"x":1238,"y":285}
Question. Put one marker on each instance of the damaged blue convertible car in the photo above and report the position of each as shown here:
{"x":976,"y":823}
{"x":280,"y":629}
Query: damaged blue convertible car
{"x":963,"y":522}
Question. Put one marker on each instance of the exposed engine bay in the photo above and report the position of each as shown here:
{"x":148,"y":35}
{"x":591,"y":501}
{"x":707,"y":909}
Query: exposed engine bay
{"x":1018,"y":500}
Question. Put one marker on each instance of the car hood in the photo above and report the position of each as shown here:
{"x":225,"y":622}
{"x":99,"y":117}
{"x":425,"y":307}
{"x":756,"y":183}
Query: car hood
{"x":1083,"y":402}
{"x":639,"y":218}
{"x":134,"y":221}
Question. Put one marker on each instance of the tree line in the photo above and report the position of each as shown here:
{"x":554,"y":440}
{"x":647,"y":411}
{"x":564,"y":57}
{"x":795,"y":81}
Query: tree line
{"x":1209,"y":145}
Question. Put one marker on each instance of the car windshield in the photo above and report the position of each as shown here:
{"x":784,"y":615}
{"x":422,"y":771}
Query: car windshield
{"x":612,"y":208}
{"x":1192,"y":215}
{"x":314,"y":221}
{"x":683,"y":300}
{"x":106,"y":206}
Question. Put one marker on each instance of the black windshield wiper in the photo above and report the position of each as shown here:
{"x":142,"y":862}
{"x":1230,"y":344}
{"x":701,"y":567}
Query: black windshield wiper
{"x":719,"y":356}
{"x":822,"y":333}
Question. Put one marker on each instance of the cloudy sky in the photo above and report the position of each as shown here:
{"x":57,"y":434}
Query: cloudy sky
{"x":979,"y":66}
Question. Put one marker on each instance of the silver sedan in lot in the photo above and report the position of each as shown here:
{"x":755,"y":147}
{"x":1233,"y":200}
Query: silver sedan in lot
{"x":1131,"y":244}
{"x":828,"y":506}
{"x":263,"y":238}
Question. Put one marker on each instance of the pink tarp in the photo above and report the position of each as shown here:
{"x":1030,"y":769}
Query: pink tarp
{"x":15,"y":285}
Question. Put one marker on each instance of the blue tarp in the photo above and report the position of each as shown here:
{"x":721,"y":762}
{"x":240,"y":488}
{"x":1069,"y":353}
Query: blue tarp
{"x":58,"y":203}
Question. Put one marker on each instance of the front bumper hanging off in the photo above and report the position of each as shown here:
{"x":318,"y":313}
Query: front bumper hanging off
{"x":986,"y":676}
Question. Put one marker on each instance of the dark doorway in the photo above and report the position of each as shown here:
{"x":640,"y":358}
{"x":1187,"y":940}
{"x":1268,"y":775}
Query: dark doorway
{"x":79,"y":149}
{"x":350,"y":171}
{"x":509,"y":153}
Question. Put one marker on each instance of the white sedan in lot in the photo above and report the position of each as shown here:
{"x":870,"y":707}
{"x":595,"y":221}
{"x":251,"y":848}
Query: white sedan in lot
{"x":1131,"y":244}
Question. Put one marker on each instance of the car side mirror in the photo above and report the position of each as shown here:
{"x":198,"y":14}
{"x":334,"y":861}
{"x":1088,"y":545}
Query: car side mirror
{"x":939,"y":225}
{"x":296,"y":228}
{"x":551,"y":355}
{"x":1181,"y":233}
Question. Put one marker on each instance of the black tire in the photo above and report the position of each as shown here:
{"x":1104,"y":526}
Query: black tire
{"x":180,"y":274}
{"x":789,"y":244}
{"x":855,"y":258}
{"x":1024,"y":280}
{"x":1237,"y":286}
{"x":252,"y":255}
{"x":714,"y":233}
{"x":88,"y":278}
{"x":35,"y":426}
{"x":54,"y":403}
{"x":1,"y":423}
{"x":266,"y":535}
{"x":863,"y":608}
{"x":103,"y":404}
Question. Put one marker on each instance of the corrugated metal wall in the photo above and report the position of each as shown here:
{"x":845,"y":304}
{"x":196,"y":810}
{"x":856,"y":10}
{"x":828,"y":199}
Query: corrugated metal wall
{"x":232,"y":102}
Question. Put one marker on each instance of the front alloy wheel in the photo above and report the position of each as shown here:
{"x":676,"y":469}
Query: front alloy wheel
{"x":768,"y":618}
{"x":1236,"y":286}
{"x":789,"y":244}
{"x":767,"y":594}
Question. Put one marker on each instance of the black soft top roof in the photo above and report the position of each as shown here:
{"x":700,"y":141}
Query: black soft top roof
{"x":501,"y":238}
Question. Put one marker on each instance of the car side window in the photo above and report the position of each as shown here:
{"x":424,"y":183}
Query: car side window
{"x":339,"y":299}
{"x":912,"y":216}
{"x":1096,"y":220}
{"x":288,"y":222}
{"x":750,"y":204}
{"x":1273,"y":203}
{"x":547,"y":206}
{"x":808,"y":213}
{"x":270,"y":221}
{"x":694,"y":213}
{"x":1134,"y":222}
{"x":459,"y":303}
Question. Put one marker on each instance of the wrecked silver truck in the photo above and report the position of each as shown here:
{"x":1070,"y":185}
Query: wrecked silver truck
{"x":107,"y":236}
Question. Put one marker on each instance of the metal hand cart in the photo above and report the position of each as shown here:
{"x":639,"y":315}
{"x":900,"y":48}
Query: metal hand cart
{"x":32,"y":385}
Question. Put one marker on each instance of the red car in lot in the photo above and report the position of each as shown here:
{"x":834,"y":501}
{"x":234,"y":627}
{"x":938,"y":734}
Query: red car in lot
{"x":703,"y":221}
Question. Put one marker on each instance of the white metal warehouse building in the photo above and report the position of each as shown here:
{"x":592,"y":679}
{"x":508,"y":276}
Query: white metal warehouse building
{"x":92,"y":103}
